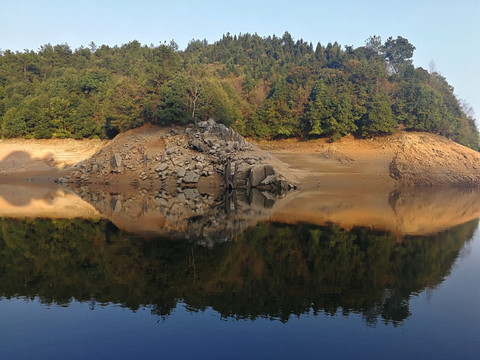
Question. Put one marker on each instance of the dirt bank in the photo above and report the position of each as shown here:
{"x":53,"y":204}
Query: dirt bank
{"x":403,"y":159}
{"x":43,"y":160}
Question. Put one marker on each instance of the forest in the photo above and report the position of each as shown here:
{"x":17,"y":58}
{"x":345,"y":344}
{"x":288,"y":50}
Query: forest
{"x":264,"y":87}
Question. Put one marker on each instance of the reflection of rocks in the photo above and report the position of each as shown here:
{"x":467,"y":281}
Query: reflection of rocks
{"x":232,"y":214}
{"x":185,"y":213}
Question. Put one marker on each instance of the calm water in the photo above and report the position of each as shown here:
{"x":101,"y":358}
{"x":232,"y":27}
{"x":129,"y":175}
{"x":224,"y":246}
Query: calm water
{"x":85,"y":288}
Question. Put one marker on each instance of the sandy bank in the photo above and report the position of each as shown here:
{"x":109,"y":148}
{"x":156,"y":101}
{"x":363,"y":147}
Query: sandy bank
{"x":43,"y":160}
{"x":403,"y":159}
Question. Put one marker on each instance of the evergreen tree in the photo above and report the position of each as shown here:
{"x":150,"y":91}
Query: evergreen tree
{"x":379,"y":117}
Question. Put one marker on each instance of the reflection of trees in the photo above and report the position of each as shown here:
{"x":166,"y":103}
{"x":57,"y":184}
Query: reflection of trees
{"x":272,"y":270}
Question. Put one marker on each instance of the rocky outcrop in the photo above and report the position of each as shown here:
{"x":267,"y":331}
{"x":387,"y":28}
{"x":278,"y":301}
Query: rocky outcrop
{"x":247,"y":167}
{"x":182,"y":157}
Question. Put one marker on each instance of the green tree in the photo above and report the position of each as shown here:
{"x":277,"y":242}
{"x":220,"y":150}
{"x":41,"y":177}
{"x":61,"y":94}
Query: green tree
{"x":379,"y":118}
{"x":14,"y":123}
{"x":174,"y":104}
{"x":398,"y":53}
{"x":122,"y":110}
{"x":328,"y":113}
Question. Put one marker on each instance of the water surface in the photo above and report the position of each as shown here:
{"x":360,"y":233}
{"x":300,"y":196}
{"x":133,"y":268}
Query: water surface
{"x":228,"y":277}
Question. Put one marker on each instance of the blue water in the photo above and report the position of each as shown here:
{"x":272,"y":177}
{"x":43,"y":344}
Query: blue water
{"x":443,"y":323}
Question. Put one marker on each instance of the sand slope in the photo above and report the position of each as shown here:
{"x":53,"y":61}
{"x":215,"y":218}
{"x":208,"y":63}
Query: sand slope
{"x":403,"y":159}
{"x":43,"y":159}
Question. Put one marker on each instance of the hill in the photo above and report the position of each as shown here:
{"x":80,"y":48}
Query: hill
{"x":265,"y":88}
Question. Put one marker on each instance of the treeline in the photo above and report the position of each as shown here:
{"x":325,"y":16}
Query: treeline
{"x":269,"y":87}
{"x":272,"y":270}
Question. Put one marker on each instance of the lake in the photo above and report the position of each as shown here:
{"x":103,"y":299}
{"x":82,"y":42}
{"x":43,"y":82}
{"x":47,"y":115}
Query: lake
{"x":130,"y":273}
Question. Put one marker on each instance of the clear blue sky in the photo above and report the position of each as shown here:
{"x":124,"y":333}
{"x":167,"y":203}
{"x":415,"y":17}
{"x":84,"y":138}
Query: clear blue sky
{"x":447,"y":32}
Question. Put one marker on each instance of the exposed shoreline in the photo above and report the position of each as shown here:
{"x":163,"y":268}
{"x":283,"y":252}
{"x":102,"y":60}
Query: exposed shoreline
{"x":403,"y":159}
{"x":348,"y":182}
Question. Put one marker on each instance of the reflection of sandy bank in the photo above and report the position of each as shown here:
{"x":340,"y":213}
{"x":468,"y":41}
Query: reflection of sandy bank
{"x":215,"y":217}
{"x":419,"y":211}
{"x":45,"y":201}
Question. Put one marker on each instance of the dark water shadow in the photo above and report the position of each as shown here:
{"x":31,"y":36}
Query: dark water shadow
{"x":244,"y":254}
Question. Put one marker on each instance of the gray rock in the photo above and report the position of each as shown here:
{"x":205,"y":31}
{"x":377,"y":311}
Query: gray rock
{"x":198,"y":144}
{"x":230,"y":146}
{"x":162,"y":167}
{"x":256,"y":198}
{"x":170,"y":150}
{"x":269,"y":170}
{"x":181,"y":198}
{"x":191,"y":177}
{"x":242,"y":171}
{"x":257,"y":175}
{"x":181,"y":172}
{"x":191,"y":194}
{"x":116,"y":160}
{"x":269,"y":196}
{"x":270,"y":179}
{"x":162,"y":201}
{"x":116,"y":205}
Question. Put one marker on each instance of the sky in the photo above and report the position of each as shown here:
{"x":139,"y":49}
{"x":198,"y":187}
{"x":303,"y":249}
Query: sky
{"x":445,"y":32}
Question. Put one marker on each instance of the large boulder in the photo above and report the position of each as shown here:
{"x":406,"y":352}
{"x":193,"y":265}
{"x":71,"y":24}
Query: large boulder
{"x":258,"y":173}
{"x":242,"y":173}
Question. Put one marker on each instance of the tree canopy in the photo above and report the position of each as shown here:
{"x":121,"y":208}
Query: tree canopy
{"x":271,"y":87}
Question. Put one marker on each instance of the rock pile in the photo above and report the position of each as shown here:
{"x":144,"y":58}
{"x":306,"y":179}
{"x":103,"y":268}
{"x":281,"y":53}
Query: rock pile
{"x":181,"y":157}
{"x":241,"y":165}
